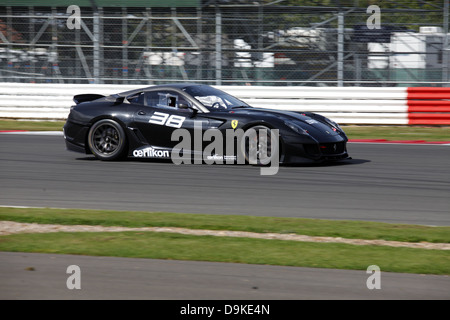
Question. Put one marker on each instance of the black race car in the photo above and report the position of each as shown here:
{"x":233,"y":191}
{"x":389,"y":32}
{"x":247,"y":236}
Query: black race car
{"x":141,"y":123}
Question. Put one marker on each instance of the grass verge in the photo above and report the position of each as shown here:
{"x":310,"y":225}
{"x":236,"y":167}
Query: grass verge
{"x":31,"y":125}
{"x":435,"y":133}
{"x":311,"y":227}
{"x":140,"y":244}
{"x":235,"y":250}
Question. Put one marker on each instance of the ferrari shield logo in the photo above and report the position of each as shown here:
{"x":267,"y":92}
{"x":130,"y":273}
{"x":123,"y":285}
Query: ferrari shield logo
{"x":234,"y":124}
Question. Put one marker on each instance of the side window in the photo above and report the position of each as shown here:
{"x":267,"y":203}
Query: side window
{"x":137,"y":98}
{"x":164,"y":99}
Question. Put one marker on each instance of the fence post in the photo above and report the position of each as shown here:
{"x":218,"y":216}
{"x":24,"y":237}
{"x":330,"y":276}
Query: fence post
{"x":340,"y":45}
{"x":218,"y":46}
{"x":445,"y":46}
{"x":96,"y":53}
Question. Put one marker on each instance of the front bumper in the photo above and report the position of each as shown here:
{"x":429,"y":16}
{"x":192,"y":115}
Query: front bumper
{"x":315,"y":152}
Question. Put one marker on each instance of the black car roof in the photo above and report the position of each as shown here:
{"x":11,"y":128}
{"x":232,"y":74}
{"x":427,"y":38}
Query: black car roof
{"x":161,"y":86}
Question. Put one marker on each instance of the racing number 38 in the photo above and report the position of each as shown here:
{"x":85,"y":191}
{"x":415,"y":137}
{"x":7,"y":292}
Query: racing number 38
{"x":165,"y":119}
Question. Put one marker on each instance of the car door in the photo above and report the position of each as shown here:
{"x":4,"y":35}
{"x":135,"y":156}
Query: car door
{"x":160,"y":116}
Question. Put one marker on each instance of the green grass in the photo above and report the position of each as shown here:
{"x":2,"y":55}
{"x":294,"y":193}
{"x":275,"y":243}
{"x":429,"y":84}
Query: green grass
{"x":31,"y":125}
{"x":311,"y":227}
{"x":155,"y":245}
{"x":427,"y":133}
{"x":435,"y":133}
{"x":236,"y":250}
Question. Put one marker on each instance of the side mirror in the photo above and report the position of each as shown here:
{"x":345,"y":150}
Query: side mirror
{"x":185,"y":106}
{"x":120,"y":100}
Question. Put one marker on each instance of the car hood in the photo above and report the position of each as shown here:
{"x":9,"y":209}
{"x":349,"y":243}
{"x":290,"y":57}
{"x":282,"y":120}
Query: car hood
{"x":311,"y":122}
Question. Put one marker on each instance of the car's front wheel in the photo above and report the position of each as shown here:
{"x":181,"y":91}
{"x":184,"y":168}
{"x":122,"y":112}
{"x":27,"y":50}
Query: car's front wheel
{"x":107,"y":140}
{"x":258,"y":147}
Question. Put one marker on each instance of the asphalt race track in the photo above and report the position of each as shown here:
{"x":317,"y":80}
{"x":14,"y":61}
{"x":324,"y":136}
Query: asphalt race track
{"x":390,"y":183}
{"x":43,"y":276}
{"x":384,"y":182}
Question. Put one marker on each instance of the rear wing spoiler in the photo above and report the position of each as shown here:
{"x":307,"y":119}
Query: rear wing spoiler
{"x":79,"y":98}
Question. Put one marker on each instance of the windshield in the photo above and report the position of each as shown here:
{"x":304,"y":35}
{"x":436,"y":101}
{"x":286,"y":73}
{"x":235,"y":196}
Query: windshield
{"x":214,"y":99}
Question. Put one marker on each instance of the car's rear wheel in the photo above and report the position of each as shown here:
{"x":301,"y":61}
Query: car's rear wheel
{"x":258,"y":147}
{"x":107,"y":140}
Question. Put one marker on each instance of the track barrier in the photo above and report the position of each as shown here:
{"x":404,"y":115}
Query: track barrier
{"x":428,"y":106}
{"x":345,"y":105}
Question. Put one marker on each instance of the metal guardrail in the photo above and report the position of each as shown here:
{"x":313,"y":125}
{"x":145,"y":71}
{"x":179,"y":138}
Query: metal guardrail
{"x":345,"y":105}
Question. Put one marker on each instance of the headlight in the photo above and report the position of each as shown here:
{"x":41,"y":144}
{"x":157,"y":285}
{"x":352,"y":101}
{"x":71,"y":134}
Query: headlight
{"x":333,"y":124}
{"x":296,"y":127}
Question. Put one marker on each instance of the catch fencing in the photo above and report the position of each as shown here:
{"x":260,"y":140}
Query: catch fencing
{"x":227,"y":42}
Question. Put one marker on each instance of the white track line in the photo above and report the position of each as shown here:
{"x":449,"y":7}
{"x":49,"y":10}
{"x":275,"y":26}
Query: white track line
{"x":401,"y":143}
{"x":37,"y":133}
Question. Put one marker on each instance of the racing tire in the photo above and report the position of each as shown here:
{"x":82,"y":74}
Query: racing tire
{"x":257,"y":147}
{"x":107,"y":140}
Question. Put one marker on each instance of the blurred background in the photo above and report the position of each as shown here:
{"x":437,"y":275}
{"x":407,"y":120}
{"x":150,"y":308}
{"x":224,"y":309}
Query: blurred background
{"x":227,"y":42}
